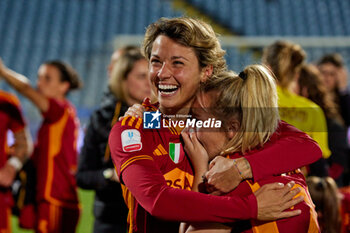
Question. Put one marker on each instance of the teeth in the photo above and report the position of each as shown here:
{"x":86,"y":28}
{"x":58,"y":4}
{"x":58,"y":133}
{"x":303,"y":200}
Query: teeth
{"x":166,"y":87}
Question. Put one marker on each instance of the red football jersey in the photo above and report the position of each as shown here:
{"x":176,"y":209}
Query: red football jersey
{"x":153,"y":166}
{"x":146,"y":162}
{"x":345,"y":209}
{"x":10,"y":119}
{"x":306,"y":222}
{"x":55,"y":155}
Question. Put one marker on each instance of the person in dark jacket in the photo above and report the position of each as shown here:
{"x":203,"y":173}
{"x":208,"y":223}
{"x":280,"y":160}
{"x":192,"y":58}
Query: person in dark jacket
{"x":128,"y":84}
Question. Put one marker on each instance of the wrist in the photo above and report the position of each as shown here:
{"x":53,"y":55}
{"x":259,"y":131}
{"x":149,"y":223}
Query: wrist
{"x":243,"y":168}
{"x":16,"y":163}
{"x":108,"y":173}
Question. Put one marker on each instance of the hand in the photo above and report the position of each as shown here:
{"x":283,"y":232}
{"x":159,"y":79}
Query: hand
{"x":342,"y":79}
{"x":274,"y":198}
{"x":7,"y":175}
{"x":196,"y":152}
{"x":223,"y":176}
{"x":2,"y":68}
{"x":136,"y":111}
{"x":115,"y":177}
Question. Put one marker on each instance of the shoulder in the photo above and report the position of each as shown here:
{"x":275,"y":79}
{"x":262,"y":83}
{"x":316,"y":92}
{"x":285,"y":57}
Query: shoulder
{"x":9,"y":98}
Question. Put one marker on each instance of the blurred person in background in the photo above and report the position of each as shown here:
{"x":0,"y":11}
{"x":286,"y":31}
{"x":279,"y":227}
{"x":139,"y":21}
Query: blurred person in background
{"x":11,"y":158}
{"x":127,"y":84}
{"x":55,"y":153}
{"x":285,"y":60}
{"x":311,"y":86}
{"x":332,"y":204}
{"x":335,"y":77}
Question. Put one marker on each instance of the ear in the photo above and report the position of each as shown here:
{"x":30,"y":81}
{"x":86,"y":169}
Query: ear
{"x":232,"y":128}
{"x":207,"y":72}
{"x":64,"y":87}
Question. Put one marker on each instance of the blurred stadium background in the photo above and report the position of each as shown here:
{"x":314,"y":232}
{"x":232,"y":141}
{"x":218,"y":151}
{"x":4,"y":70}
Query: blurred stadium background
{"x":84,"y":33}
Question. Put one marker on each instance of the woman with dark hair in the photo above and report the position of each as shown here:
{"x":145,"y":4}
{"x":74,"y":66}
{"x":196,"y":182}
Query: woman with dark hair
{"x":335,"y":76}
{"x":55,"y":153}
{"x":311,"y":86}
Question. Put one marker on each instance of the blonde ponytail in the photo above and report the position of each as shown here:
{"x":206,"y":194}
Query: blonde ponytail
{"x":252,"y":100}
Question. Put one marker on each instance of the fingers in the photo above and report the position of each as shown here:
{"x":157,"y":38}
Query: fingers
{"x":291,"y":194}
{"x":288,"y":214}
{"x":276,"y":186}
{"x":212,"y":163}
{"x":187,"y":140}
{"x":293,"y":202}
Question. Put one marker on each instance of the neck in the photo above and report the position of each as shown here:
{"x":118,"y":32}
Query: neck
{"x":178,"y":113}
{"x":131,"y":101}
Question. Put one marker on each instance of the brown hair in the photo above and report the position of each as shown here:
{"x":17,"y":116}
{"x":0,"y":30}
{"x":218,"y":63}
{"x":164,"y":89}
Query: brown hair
{"x":310,"y":78}
{"x":252,"y":100}
{"x":285,"y":59}
{"x":121,"y":70}
{"x":334,"y":58}
{"x":192,"y":33}
{"x":68,"y":74}
{"x":324,"y":193}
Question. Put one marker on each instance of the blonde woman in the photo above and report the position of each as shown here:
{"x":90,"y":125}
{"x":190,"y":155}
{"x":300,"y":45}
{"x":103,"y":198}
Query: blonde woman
{"x":247,"y":106}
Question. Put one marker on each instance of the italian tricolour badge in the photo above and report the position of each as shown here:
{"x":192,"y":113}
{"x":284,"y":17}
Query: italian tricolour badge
{"x":176,"y":152}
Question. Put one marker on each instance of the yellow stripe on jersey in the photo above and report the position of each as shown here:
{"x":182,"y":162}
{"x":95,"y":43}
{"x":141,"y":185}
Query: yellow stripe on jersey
{"x":124,"y":120}
{"x":133,"y":159}
{"x":161,"y":148}
{"x":257,"y":226}
{"x":138,"y":124}
{"x":131,"y":121}
{"x":156,"y":152}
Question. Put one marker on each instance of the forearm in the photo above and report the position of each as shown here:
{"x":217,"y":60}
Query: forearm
{"x":149,"y":188}
{"x":16,"y":80}
{"x":22,"y":85}
{"x":289,"y":153}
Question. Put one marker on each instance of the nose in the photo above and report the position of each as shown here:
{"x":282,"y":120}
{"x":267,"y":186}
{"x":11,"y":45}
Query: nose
{"x":165,"y":71}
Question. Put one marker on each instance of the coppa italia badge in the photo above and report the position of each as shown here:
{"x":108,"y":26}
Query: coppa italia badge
{"x":131,"y":140}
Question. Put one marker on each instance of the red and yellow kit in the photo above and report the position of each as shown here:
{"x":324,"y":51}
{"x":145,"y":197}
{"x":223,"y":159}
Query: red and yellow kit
{"x":345,"y":209}
{"x":55,"y":160}
{"x":10,"y":119}
{"x":306,"y":222}
{"x":158,"y":179}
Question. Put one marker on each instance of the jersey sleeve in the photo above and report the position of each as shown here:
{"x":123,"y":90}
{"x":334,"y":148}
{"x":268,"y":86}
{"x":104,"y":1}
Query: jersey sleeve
{"x":55,"y":111}
{"x":288,"y":149}
{"x":142,"y":176}
{"x":148,"y":186}
{"x":17,"y":122}
{"x":129,"y":143}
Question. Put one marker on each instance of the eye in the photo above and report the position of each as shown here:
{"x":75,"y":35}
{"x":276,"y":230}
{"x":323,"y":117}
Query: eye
{"x":155,"y":61}
{"x":178,"y":63}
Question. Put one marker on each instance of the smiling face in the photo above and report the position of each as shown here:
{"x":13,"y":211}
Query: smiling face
{"x":175,"y":74}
